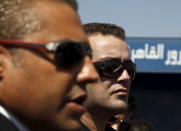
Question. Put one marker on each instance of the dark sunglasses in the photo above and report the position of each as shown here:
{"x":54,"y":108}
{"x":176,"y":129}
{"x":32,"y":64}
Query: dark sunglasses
{"x":113,"y":68}
{"x":67,"y":53}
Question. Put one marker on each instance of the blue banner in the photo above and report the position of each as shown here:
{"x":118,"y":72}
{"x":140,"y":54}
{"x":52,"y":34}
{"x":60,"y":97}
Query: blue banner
{"x":156,"y":55}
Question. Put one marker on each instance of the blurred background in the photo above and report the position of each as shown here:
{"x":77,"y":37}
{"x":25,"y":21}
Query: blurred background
{"x":153,"y":29}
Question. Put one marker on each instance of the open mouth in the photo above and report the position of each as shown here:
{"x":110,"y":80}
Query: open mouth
{"x":75,"y":105}
{"x":80,"y":99}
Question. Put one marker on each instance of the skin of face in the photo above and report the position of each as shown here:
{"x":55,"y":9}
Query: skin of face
{"x":36,"y":92}
{"x":100,"y":94}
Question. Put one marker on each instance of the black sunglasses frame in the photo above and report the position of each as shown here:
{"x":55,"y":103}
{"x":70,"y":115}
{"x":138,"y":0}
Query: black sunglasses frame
{"x":67,"y":53}
{"x":114,"y":67}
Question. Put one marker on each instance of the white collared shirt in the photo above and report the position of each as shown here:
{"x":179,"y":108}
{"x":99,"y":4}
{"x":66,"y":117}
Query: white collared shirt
{"x":13,"y":119}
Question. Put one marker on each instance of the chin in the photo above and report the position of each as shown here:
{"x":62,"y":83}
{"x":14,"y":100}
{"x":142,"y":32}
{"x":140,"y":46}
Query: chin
{"x":120,"y":105}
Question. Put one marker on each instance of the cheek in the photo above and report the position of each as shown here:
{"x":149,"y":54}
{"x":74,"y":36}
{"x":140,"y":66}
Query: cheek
{"x":94,"y":88}
{"x":42,"y":92}
{"x":48,"y":96}
{"x":106,"y":84}
{"x":99,"y":91}
{"x":36,"y":86}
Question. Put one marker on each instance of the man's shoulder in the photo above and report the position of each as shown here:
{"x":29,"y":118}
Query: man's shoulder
{"x":6,"y":125}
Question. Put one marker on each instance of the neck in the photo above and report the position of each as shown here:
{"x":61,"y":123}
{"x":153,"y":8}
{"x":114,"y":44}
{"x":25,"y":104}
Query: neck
{"x":22,"y":122}
{"x":36,"y":125}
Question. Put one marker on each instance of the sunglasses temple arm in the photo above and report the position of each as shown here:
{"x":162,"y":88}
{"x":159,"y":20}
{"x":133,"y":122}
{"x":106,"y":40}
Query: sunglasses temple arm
{"x":22,"y":44}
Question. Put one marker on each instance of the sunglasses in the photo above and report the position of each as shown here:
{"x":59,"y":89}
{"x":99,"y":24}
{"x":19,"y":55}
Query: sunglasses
{"x":113,"y":68}
{"x":67,"y":54}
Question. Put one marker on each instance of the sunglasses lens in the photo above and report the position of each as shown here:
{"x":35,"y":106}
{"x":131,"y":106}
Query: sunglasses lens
{"x":69,"y":54}
{"x":109,"y":68}
{"x":113,"y":68}
{"x":131,"y":69}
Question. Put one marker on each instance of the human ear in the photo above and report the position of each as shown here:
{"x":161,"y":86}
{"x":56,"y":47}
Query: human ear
{"x":4,"y":54}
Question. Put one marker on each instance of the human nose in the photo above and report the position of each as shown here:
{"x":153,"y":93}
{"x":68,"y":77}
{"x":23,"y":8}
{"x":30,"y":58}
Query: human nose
{"x":124,"y":76}
{"x":88,"y":72}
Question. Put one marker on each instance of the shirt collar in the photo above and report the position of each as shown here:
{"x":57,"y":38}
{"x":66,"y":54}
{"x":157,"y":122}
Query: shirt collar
{"x":13,"y":119}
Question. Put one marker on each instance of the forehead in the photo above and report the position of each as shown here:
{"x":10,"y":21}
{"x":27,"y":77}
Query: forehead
{"x":108,"y":46}
{"x":59,"y":22}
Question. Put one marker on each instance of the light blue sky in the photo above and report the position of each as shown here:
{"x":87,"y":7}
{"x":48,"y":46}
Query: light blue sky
{"x":140,"y":18}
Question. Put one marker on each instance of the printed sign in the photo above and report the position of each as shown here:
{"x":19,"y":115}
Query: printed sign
{"x":157,"y":55}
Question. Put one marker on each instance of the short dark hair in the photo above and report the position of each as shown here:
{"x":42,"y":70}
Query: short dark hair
{"x":18,"y":18}
{"x":105,"y":29}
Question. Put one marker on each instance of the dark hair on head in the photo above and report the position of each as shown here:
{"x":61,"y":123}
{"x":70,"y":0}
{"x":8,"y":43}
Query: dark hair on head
{"x":18,"y":18}
{"x":105,"y":29}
